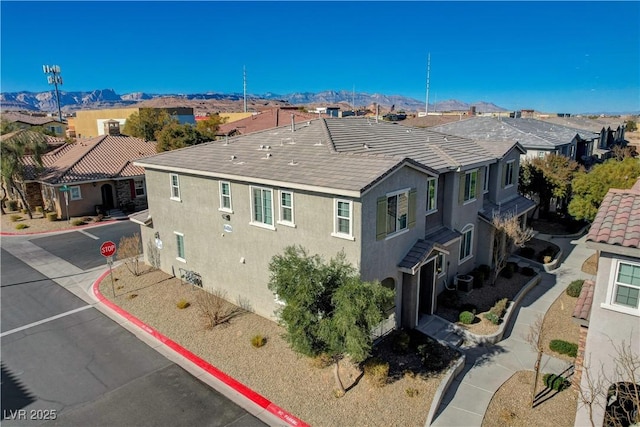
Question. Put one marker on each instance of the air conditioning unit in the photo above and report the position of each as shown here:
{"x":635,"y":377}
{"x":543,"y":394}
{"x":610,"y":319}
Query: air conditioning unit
{"x":464,"y":282}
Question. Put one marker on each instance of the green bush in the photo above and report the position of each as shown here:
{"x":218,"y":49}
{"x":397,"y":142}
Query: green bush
{"x":52,"y":216}
{"x":556,"y":382}
{"x":376,"y":371}
{"x":564,"y":347}
{"x":492,"y":317}
{"x":39,"y":209}
{"x":77,"y":222}
{"x":21,"y":226}
{"x":528,"y":271}
{"x":11,"y":205}
{"x":527,"y":252}
{"x":258,"y":341}
{"x":574,"y":288}
{"x":466,"y":317}
{"x":15,"y":217}
{"x":401,"y":342}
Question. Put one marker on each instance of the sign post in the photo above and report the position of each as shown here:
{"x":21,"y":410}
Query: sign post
{"x":65,"y":190}
{"x":107,"y":249}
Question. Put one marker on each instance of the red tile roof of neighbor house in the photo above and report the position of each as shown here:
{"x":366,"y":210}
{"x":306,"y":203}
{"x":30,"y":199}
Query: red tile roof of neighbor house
{"x":103,"y":157}
{"x":28,"y":119}
{"x":618,"y":219}
{"x":268,"y":119}
{"x":585,"y":300}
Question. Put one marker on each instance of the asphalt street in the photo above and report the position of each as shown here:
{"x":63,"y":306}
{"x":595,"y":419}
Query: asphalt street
{"x":65,"y":363}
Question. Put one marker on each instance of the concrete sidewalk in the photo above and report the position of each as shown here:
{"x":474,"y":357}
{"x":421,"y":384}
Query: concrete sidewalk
{"x":487,"y":368}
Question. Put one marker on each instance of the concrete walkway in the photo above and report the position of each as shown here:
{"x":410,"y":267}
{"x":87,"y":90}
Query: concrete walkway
{"x":487,"y":368}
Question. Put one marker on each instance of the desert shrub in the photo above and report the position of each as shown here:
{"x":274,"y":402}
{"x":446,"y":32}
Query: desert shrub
{"x":485,"y":269}
{"x":564,"y":347}
{"x":412,"y":392}
{"x":478,"y":278}
{"x":132,"y":296}
{"x":556,"y":382}
{"x":574,"y":288}
{"x":435,"y":357}
{"x":258,"y":341}
{"x":130,"y":250}
{"x":500,"y":307}
{"x":321,"y":361}
{"x":213,"y":308}
{"x":448,"y":299}
{"x":546,"y":255}
{"x":11,"y":205}
{"x":15,"y":217}
{"x":77,"y":221}
{"x":99,"y":218}
{"x":467,"y":306}
{"x":492,"y":317}
{"x":527,"y":252}
{"x":528,"y":271}
{"x":466,"y":317}
{"x":24,"y":211}
{"x":400,"y":343}
{"x":21,"y":226}
{"x":376,"y":371}
{"x":547,"y":259}
{"x":182,"y":304}
{"x":52,"y":216}
{"x":39,"y":209}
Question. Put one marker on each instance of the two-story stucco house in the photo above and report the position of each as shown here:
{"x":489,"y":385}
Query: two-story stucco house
{"x":610,"y":307}
{"x":409,"y":207}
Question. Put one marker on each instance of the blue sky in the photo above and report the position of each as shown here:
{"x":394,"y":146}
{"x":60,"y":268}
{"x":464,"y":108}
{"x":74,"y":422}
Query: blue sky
{"x":551,"y":56}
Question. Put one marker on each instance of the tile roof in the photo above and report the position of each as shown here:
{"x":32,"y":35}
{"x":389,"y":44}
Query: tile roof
{"x":593,"y":125}
{"x":348,"y":154}
{"x":52,"y":141}
{"x":618,"y":219}
{"x":103,"y":157}
{"x":516,"y":206}
{"x":421,"y":250}
{"x":30,"y":120}
{"x":582,"y":311}
{"x":268,"y":119}
{"x":530,"y":133}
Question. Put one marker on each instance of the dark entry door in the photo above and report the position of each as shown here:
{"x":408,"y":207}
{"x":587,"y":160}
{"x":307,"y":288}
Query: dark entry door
{"x":426,"y":305}
{"x":107,"y":196}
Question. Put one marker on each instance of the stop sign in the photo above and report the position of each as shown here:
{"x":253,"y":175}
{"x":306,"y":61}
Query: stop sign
{"x":108,"y":248}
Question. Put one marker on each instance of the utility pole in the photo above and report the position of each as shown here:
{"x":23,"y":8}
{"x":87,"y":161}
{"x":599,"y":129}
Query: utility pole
{"x":54,"y":78}
{"x":426,"y":104}
{"x":244,"y":86}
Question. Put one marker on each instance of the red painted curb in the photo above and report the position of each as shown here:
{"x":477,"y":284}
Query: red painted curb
{"x":255,"y":397}
{"x":77,"y":227}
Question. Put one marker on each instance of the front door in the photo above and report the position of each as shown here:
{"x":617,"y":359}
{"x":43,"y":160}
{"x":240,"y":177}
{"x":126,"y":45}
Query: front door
{"x":107,"y":196}
{"x":426,"y":290}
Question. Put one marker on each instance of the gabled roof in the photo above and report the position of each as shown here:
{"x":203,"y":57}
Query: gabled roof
{"x":350,"y":155}
{"x":268,"y":119}
{"x":516,"y":206}
{"x":27,"y":119}
{"x":103,"y":157}
{"x":52,"y":141}
{"x":530,"y":133}
{"x":617,"y":222}
{"x":593,"y":125}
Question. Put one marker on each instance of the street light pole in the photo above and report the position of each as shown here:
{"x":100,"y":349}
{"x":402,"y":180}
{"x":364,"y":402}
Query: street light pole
{"x":54,"y":78}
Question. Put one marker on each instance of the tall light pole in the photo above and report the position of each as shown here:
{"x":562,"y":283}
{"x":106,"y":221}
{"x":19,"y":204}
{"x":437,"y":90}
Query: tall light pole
{"x":54,"y":78}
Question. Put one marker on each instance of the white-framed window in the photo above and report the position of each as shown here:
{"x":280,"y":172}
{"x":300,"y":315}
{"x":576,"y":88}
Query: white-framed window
{"x":262,"y":207}
{"x":175,"y":186}
{"x":466,"y":243}
{"x":623,"y":293}
{"x":440,"y":264}
{"x":509,"y":172}
{"x":180,"y":246}
{"x":432,"y":195}
{"x":75,"y":193}
{"x":485,"y":180}
{"x":343,"y":219}
{"x":138,"y":186}
{"x":541,"y":154}
{"x":470,"y":183}
{"x":225,"y":197}
{"x":286,"y":208}
{"x":397,"y":211}
{"x":572,"y":151}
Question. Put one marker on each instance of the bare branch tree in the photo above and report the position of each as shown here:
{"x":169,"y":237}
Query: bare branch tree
{"x":508,"y":234}
{"x":534,"y":338}
{"x":130,"y":250}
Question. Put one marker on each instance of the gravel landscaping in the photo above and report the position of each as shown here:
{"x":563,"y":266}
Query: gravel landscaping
{"x":289,"y":380}
{"x":559,"y":324}
{"x":40,"y":223}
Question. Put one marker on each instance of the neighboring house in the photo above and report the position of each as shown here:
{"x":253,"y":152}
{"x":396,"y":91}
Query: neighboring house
{"x":97,"y":172}
{"x":271,"y":118}
{"x":538,"y":137}
{"x":26,"y":121}
{"x":409,"y":207}
{"x":52,"y":141}
{"x":610,"y":307}
{"x":91,"y":123}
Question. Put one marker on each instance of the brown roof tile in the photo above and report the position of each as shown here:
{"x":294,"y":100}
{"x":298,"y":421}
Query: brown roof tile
{"x":618,"y":219}
{"x":268,"y":119}
{"x":585,"y":300}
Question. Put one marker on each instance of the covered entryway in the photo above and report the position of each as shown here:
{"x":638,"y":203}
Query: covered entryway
{"x":427,"y":289}
{"x":107,"y":196}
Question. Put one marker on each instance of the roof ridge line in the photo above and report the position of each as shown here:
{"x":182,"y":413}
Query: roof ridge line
{"x":67,"y":169}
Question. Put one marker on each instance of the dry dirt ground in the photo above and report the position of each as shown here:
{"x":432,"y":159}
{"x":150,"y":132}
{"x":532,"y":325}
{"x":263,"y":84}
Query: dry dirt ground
{"x":590,"y":266}
{"x":39,"y":223}
{"x":559,"y":324}
{"x":282,"y":376}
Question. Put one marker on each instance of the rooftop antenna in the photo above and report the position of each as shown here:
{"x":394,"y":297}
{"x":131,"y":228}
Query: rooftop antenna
{"x":244,"y":85}
{"x":54,"y":78}
{"x":426,"y":104}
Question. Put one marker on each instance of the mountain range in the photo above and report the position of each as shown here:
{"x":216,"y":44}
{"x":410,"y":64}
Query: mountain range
{"x":108,"y":98}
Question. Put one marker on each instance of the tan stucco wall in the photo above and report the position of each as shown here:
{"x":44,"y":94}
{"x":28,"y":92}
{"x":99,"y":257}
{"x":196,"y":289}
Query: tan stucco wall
{"x":216,"y":254}
{"x":234,"y":117}
{"x":91,"y":196}
{"x":86,"y":120}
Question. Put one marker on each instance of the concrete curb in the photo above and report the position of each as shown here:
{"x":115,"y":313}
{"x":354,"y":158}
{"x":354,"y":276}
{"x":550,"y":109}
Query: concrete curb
{"x":237,"y":386}
{"x":449,"y":376}
{"x":62,"y":230}
{"x":497,"y":336}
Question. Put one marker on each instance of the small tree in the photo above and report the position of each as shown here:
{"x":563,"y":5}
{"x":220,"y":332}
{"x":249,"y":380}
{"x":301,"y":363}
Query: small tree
{"x":209,"y":127}
{"x":129,"y":250}
{"x":147,"y":123}
{"x":175,"y":135}
{"x":507,"y":235}
{"x":631,"y":125}
{"x":534,"y":338}
{"x":327,"y":308}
